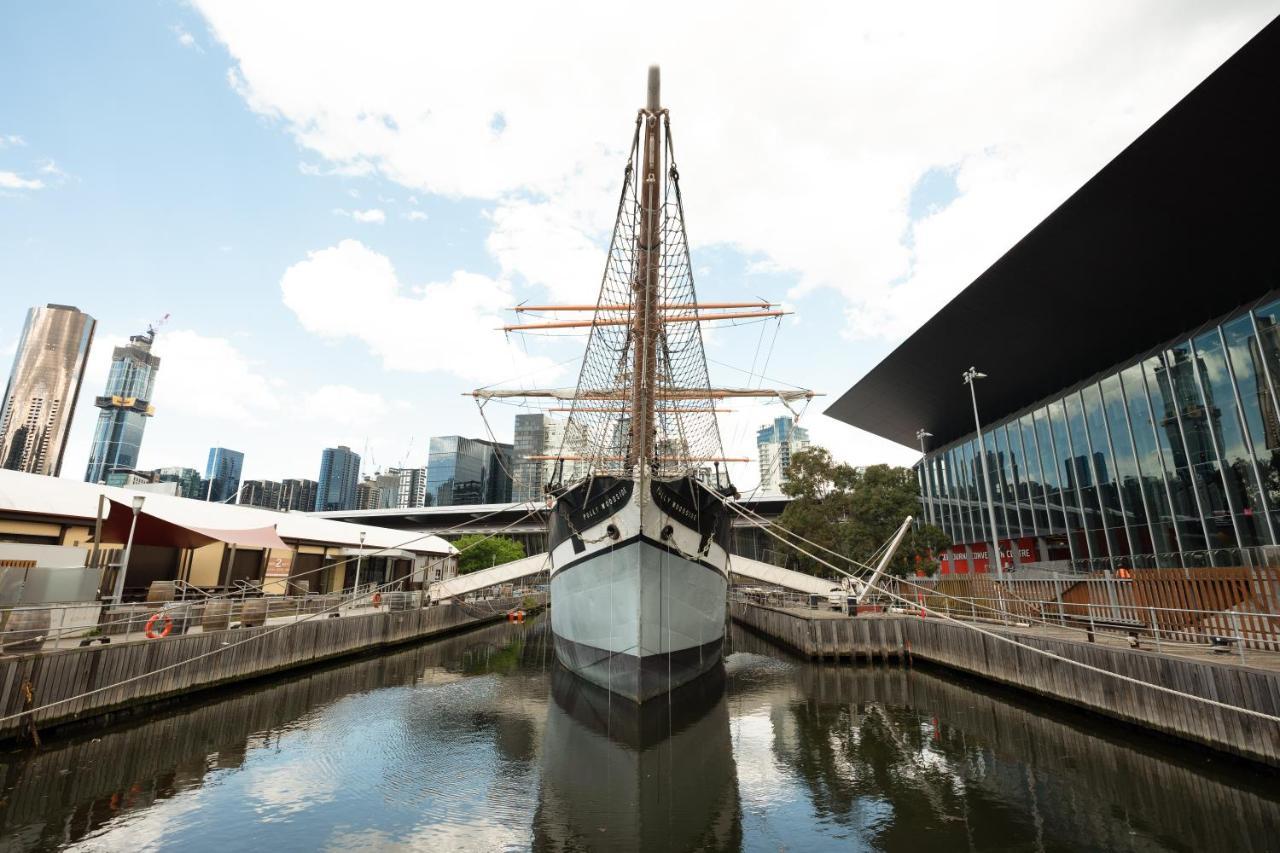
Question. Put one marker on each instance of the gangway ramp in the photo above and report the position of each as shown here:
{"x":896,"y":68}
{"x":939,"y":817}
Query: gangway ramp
{"x":753,"y":570}
{"x":475,"y":581}
{"x":768,"y":573}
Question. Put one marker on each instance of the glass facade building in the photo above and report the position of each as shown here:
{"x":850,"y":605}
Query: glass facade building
{"x":464,"y":471}
{"x":125,"y":405}
{"x":339,"y":477}
{"x":222,"y":475}
{"x":40,"y":399}
{"x":1170,"y":459}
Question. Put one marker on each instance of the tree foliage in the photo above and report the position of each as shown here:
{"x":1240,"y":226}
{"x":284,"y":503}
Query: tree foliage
{"x":482,"y":552}
{"x":853,"y":511}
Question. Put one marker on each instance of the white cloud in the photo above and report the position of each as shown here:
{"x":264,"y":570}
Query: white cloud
{"x":209,"y":391}
{"x":186,"y":39}
{"x":14,"y":181}
{"x":416,"y":216}
{"x":372,"y":215}
{"x":800,"y":134}
{"x":11,"y":139}
{"x":351,"y":291}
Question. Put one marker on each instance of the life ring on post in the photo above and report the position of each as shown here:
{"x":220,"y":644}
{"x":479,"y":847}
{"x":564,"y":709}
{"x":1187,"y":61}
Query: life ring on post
{"x":377,"y":599}
{"x":151,"y":624}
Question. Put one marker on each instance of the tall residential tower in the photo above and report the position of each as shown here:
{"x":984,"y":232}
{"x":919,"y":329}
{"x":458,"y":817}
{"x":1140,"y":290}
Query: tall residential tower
{"x":125,"y":405}
{"x":775,"y":443}
{"x":41,"y":397}
{"x":339,"y":477}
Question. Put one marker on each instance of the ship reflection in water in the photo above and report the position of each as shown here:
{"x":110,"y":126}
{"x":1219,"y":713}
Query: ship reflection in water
{"x":479,"y":742}
{"x":617,"y":775}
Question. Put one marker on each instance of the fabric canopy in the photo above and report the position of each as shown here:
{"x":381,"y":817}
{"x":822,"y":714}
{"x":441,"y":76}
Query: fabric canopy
{"x":158,"y":526}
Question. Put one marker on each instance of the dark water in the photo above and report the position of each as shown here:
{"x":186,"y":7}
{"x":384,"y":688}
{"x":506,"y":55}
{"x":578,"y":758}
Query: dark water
{"x":479,"y":742}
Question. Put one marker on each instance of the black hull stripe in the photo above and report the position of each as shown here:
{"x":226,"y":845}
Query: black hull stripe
{"x":640,"y":537}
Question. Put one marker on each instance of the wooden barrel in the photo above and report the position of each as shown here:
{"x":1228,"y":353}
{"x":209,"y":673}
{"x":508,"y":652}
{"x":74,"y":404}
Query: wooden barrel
{"x":216,"y":615}
{"x":25,"y":630}
{"x":161,"y":591}
{"x":253,"y":612}
{"x":125,"y":618}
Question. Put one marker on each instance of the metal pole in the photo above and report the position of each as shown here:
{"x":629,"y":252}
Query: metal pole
{"x":884,"y":561}
{"x":924,"y":471}
{"x":128,"y":550}
{"x":969,"y":376}
{"x":355,"y":586}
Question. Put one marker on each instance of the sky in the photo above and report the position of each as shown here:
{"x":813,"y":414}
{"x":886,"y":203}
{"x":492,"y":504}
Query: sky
{"x":338,"y":204}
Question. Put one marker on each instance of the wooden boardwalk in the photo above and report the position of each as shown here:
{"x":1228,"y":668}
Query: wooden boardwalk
{"x":959,"y":647}
{"x":41,"y":678}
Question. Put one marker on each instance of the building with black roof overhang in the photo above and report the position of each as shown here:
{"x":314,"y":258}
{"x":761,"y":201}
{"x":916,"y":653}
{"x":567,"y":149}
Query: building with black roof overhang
{"x":1132,"y":342}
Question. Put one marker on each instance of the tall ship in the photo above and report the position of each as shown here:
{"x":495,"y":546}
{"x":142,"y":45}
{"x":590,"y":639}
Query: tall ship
{"x":640,"y":525}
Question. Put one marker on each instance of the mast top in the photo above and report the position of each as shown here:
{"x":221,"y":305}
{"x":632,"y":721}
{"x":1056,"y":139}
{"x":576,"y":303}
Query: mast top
{"x":655,"y":102}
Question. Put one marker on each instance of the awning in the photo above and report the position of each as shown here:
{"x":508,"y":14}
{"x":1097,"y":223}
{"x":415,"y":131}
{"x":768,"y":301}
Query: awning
{"x":163,"y":526}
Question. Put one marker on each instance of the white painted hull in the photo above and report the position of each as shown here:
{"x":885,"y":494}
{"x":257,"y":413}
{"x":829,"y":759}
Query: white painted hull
{"x":638,"y":598}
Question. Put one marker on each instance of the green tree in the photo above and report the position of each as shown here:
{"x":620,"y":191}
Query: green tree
{"x":483,"y":552}
{"x":853,"y":511}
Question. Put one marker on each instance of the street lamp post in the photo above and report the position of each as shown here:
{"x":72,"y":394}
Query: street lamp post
{"x":924,"y":471}
{"x":128,"y":549}
{"x":355,"y":587}
{"x":970,"y":376}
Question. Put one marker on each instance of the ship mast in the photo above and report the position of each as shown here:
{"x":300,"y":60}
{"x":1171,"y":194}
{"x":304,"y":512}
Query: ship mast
{"x":646,"y":283}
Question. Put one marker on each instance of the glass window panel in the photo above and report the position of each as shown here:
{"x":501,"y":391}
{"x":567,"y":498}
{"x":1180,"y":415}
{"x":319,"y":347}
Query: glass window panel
{"x":1070,"y":501}
{"x":1197,"y":465}
{"x":1022,"y":479}
{"x":1159,"y":445}
{"x":1035,"y":479}
{"x":1104,"y":466}
{"x":1081,"y":473}
{"x":1127,"y":477}
{"x":1258,"y":404}
{"x":992,"y":476}
{"x":1006,"y":495}
{"x":971,"y":478}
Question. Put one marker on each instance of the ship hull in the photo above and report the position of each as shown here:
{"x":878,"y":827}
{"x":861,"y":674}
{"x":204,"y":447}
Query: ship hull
{"x":638,"y":589}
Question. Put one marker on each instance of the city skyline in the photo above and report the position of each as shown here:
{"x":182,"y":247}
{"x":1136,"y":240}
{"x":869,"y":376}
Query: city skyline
{"x":336,"y":283}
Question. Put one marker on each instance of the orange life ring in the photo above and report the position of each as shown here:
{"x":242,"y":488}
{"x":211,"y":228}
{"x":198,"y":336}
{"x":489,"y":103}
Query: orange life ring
{"x":377,"y":599}
{"x":151,"y":624}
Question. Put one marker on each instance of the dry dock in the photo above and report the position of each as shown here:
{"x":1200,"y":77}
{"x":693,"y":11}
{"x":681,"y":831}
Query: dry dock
{"x":110,"y":678}
{"x":1254,"y":685}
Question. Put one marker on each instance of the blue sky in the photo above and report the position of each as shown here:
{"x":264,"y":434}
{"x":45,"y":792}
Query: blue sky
{"x":207,"y":161}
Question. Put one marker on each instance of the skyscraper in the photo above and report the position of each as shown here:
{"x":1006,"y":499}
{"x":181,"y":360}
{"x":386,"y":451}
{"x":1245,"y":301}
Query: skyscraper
{"x":542,"y":435}
{"x":339,"y":476}
{"x":125,"y":405}
{"x":464,"y":471}
{"x":40,"y":400}
{"x":412,"y":490}
{"x":188,"y":480}
{"x":775,"y":444}
{"x":260,"y":493}
{"x":222,"y":474}
{"x":298,"y":495}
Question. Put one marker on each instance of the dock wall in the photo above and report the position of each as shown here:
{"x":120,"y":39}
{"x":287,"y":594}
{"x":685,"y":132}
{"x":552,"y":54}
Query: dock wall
{"x":957,"y":647}
{"x":57,"y":675}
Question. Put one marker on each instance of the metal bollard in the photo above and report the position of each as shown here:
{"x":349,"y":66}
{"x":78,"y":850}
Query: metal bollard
{"x":1235,"y":631}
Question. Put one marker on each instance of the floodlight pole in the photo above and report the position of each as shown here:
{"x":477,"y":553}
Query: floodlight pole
{"x":924,"y":472}
{"x":355,"y":587}
{"x":128,"y":549}
{"x":970,"y":376}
